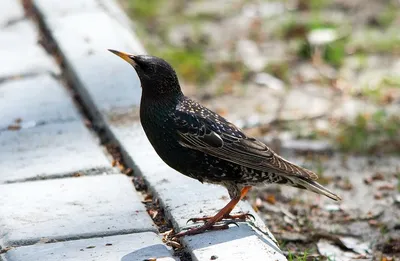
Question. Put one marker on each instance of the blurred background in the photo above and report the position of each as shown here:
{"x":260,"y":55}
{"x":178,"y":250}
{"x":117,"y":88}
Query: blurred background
{"x":317,"y":80}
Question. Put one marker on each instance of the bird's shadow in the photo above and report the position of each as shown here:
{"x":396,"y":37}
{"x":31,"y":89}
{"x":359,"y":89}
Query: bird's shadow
{"x":244,"y":234}
{"x":245,"y":231}
{"x":153,"y":252}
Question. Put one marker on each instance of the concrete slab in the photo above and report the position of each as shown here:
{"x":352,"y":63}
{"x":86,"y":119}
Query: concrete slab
{"x":11,"y":35}
{"x":84,"y":40}
{"x":10,"y":11}
{"x":52,"y":9}
{"x":70,"y":208}
{"x":22,"y":51}
{"x":52,"y":150}
{"x":132,"y":247}
{"x":35,"y":101}
{"x":238,"y":243}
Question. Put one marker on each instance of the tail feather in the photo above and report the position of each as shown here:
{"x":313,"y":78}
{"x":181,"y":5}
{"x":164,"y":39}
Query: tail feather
{"x":313,"y":186}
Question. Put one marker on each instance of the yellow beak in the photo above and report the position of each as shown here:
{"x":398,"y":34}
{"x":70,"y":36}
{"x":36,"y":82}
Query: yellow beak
{"x":127,"y":57}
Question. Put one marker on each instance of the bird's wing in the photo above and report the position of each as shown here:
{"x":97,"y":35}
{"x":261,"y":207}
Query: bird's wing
{"x":203,"y":130}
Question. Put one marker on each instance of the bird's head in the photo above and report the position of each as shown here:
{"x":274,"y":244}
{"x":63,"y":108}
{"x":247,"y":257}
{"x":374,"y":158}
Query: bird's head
{"x":157,"y":77}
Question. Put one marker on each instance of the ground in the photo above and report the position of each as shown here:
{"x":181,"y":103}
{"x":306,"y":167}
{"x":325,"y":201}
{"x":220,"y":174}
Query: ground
{"x":320,"y":82}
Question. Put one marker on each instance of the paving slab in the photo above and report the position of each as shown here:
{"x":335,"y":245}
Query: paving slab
{"x":67,"y":8}
{"x":35,"y":101}
{"x":51,"y":8}
{"x":84,"y":40}
{"x":21,"y":49}
{"x":48,"y":151}
{"x":11,"y":35}
{"x":131,"y":247}
{"x":41,"y":132}
{"x":10,"y":11}
{"x":112,"y":94}
{"x":240,"y":244}
{"x":70,"y":208}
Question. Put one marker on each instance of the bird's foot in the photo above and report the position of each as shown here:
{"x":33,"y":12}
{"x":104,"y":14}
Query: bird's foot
{"x":201,"y":229}
{"x":238,"y":217}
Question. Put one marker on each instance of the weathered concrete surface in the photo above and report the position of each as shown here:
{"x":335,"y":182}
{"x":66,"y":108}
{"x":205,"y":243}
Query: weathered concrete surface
{"x":41,"y":132}
{"x":51,"y":150}
{"x":132,"y":247}
{"x":19,"y":46}
{"x":70,"y":208}
{"x":10,"y":12}
{"x":34,"y":101}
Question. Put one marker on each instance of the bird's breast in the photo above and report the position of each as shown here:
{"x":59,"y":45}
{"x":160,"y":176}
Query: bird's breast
{"x":160,"y":132}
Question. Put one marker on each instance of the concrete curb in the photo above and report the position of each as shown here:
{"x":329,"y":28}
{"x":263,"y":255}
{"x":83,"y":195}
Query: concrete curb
{"x":110,"y":89}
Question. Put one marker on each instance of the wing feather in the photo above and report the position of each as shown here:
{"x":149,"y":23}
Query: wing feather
{"x":210,"y":133}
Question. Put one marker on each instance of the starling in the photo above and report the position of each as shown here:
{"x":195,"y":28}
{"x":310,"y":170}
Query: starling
{"x":203,"y":145}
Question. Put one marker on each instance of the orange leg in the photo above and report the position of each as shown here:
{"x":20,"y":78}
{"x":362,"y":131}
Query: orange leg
{"x":224,"y":212}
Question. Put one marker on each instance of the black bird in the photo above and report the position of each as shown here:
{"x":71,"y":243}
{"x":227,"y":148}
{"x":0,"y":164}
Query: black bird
{"x":201,"y":144}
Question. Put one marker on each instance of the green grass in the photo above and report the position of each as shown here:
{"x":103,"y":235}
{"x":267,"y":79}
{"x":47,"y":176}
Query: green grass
{"x":294,"y":30}
{"x":380,"y":92}
{"x":147,"y":9}
{"x":190,"y":64}
{"x":387,"y":17}
{"x":334,"y":53}
{"x":157,"y":17}
{"x":378,"y":132}
{"x":279,"y":70}
{"x":304,"y":257}
{"x":398,"y":182}
{"x":373,"y":40}
{"x":317,"y":5}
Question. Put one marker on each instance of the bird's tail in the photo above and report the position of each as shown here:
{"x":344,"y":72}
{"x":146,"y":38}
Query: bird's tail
{"x":313,"y":186}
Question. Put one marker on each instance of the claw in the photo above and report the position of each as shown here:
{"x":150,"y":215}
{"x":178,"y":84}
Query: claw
{"x":185,"y":228}
{"x":252,"y":216}
{"x":194,"y":220}
{"x":242,"y":216}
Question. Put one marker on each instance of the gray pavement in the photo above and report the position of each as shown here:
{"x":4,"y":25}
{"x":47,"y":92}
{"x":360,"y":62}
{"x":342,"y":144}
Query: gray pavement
{"x":60,"y":197}
{"x":139,"y":246}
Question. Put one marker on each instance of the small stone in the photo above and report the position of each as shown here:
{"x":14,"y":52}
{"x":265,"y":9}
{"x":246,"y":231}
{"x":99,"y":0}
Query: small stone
{"x":265,"y":79}
{"x":249,"y":53}
{"x":378,"y":195}
{"x":322,"y":36}
{"x":332,"y":207}
{"x":373,"y":222}
{"x":386,"y":187}
{"x":396,"y":198}
{"x":258,"y":202}
{"x":303,"y":145}
{"x":179,"y":34}
{"x":270,"y":198}
{"x":269,"y":9}
{"x":213,"y":257}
